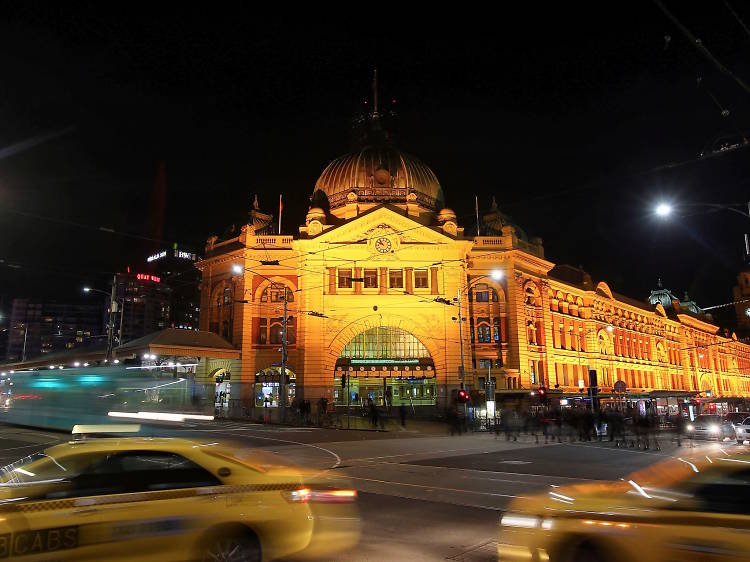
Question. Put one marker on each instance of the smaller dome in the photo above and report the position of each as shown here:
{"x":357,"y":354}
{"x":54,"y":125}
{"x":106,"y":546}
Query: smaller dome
{"x":315,"y":214}
{"x":446,"y":215}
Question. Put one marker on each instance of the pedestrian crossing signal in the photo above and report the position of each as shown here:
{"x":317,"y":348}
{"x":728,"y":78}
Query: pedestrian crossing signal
{"x":343,"y":380}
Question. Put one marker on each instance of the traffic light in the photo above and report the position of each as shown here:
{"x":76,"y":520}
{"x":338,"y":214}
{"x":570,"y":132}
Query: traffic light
{"x":542,"y":395}
{"x":343,"y":380}
{"x":462,"y":396}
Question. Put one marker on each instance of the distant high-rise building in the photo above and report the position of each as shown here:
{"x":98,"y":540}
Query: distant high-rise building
{"x":143,"y":305}
{"x":36,"y":327}
{"x":176,"y":269}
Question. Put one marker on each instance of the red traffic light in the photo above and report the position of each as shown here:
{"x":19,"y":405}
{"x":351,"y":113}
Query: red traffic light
{"x":542,"y":391}
{"x":463,"y":396}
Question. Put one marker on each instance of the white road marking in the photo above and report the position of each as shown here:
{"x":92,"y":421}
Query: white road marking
{"x":431,"y":488}
{"x":335,"y":465}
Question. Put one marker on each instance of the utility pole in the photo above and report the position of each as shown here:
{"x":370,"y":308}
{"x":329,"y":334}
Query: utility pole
{"x":348,"y":398}
{"x":25,"y":333}
{"x":122,"y":313}
{"x":112,"y":307}
{"x":461,"y":337}
{"x":282,"y":382}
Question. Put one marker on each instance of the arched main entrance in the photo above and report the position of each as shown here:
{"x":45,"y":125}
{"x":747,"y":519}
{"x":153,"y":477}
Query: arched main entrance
{"x":222,"y":387}
{"x":387,"y":365}
{"x":268,"y":384}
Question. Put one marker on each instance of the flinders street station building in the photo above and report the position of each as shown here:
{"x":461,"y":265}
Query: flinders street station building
{"x":385,"y":285}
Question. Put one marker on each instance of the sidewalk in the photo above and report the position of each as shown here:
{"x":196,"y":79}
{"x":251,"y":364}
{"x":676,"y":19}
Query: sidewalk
{"x":390,"y":424}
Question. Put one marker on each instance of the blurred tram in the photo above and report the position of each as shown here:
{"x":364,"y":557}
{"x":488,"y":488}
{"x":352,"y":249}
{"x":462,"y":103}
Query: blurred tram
{"x":62,"y":398}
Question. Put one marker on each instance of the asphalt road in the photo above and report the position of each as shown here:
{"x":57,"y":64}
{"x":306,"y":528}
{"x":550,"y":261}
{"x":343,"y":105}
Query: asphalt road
{"x":422,"y":497}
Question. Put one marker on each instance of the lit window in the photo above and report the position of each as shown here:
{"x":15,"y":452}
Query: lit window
{"x":371,"y":279}
{"x":420,"y":279}
{"x":483,"y":333}
{"x":482,"y":292}
{"x":396,"y":278}
{"x":345,"y":278}
{"x":276,"y":331}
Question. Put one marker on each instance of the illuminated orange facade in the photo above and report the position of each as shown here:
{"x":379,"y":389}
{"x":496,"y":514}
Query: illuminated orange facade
{"x":373,"y":281}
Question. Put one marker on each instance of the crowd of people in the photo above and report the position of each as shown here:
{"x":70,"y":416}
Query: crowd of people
{"x":627,"y":428}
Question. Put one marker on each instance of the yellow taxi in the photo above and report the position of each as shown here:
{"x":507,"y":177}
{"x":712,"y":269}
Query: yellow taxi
{"x":683,"y":509}
{"x":165,"y":499}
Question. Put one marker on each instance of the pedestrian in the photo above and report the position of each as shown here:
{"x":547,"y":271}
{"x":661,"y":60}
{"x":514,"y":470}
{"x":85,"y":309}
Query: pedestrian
{"x":373,"y":413}
{"x":402,"y":414}
{"x":679,"y":428}
{"x":322,"y":410}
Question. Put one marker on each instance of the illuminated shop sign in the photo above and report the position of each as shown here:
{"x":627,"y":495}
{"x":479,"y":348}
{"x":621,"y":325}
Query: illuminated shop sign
{"x":157,"y":256}
{"x":385,"y":361}
{"x":184,"y":255}
{"x":147,"y":277}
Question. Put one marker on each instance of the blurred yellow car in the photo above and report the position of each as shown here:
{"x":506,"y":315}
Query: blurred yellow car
{"x":167,"y":500}
{"x":682,"y":509}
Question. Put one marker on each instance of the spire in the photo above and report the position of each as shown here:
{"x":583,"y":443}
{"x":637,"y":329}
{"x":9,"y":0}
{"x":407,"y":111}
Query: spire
{"x":256,"y":205}
{"x":375,"y":114}
{"x":658,"y":283}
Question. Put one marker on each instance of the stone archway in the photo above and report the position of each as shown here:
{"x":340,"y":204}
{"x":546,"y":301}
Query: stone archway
{"x":347,"y":333}
{"x":387,"y":365}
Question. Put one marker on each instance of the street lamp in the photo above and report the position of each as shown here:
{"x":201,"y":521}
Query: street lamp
{"x":663,"y":210}
{"x":115,"y":306}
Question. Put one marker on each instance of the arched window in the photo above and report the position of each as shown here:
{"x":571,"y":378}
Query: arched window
{"x":221,"y":311}
{"x":487,"y":320}
{"x":384,"y":342}
{"x":271,"y":319}
{"x":484,"y":333}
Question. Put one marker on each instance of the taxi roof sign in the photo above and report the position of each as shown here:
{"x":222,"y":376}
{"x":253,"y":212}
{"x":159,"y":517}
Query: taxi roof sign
{"x":88,"y":429}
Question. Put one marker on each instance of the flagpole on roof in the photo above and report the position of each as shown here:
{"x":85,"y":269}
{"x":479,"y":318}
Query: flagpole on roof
{"x":476,"y":208}
{"x":281,"y":207}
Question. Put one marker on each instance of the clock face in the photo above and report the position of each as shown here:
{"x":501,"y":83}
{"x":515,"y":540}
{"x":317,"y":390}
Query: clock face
{"x":747,"y":311}
{"x":383,"y":245}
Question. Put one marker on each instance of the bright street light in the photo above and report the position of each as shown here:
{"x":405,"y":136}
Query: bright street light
{"x":663,"y":209}
{"x":87,"y":289}
{"x":238,"y":269}
{"x":496,"y":274}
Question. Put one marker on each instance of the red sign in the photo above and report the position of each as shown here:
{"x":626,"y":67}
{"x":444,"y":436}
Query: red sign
{"x":147,"y":277}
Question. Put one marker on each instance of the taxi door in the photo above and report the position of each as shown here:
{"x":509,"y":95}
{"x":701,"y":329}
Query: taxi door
{"x":712,"y":525}
{"x":123,"y":508}
{"x":157,"y":508}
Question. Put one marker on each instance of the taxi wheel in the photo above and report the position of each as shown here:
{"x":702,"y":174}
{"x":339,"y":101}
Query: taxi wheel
{"x":234,"y":549}
{"x":586,"y":553}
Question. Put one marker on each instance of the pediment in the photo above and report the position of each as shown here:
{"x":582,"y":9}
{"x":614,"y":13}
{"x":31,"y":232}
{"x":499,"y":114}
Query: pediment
{"x":384,"y":222}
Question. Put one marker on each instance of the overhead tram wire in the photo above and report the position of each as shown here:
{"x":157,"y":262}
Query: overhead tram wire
{"x":742,"y":23}
{"x":701,"y":47}
{"x":77,"y":224}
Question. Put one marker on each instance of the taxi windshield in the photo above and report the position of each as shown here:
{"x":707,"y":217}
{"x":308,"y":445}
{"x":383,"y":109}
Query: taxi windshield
{"x":35,"y":468}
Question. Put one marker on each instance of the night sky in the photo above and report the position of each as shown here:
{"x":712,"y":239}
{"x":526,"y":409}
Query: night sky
{"x":161,"y":123}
